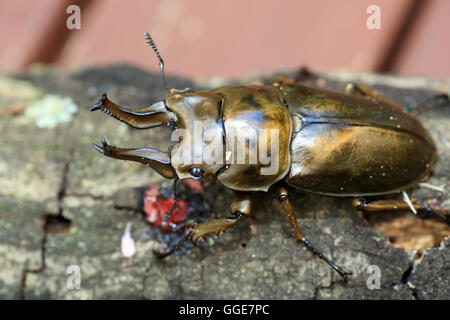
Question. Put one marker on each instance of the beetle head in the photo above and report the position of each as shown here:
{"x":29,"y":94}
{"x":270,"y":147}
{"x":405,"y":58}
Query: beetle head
{"x":198,"y":131}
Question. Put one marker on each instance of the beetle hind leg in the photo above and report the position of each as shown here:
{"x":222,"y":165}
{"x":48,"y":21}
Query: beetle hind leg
{"x":290,"y":214}
{"x":390,"y":205}
{"x":427,"y":104}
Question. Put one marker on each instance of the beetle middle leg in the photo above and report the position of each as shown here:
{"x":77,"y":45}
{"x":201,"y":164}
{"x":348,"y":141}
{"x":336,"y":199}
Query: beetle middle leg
{"x":290,"y":214}
{"x":363,"y":90}
{"x":240,"y":209}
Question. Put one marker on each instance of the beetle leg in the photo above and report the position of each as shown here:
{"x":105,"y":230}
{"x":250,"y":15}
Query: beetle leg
{"x":304,"y":74}
{"x":352,"y":88}
{"x":290,"y":214}
{"x":360,"y":89}
{"x":169,"y":213}
{"x":240,"y":209}
{"x":427,"y":103}
{"x":386,"y":205}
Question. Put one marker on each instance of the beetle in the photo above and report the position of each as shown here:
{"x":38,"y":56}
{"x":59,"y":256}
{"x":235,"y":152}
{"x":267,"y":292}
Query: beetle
{"x":354,"y":143}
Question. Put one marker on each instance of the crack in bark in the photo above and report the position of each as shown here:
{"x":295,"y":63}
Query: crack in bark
{"x":26,"y":271}
{"x":406,"y":274}
{"x":404,"y":281}
{"x":46,"y":229}
{"x":135,"y":210}
{"x":84,"y":194}
{"x":318,"y":288}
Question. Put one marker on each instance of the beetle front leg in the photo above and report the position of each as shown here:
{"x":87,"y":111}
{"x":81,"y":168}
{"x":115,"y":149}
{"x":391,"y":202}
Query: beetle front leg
{"x":290,"y":214}
{"x":304,"y":75}
{"x":240,"y":209}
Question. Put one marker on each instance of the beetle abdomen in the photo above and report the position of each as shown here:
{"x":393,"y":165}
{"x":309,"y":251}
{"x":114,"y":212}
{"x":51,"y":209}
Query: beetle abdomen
{"x":352,"y":146}
{"x":350,"y":160}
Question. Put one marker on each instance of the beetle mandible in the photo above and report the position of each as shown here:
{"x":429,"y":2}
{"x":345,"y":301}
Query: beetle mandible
{"x":353,"y":143}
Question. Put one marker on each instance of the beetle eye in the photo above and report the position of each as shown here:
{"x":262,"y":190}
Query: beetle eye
{"x":196,"y":172}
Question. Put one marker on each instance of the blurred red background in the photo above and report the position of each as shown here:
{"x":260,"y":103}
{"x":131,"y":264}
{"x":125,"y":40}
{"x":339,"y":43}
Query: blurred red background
{"x":230,"y":38}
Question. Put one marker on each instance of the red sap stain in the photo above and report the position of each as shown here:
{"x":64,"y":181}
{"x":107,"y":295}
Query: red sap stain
{"x":156,"y":207}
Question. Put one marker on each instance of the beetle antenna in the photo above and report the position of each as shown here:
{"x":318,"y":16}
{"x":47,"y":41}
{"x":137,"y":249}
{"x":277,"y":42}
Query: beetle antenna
{"x":151,"y":43}
{"x":168,"y":215}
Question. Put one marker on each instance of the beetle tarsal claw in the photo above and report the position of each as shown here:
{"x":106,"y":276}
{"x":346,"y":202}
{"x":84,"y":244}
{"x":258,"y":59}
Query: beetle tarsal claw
{"x":98,"y":105}
{"x":98,"y":148}
{"x":105,"y":144}
{"x":105,"y":147}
